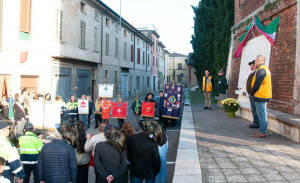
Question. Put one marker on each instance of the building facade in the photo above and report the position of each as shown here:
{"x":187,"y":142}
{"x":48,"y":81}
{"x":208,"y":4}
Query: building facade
{"x":282,"y":59}
{"x":177,"y":69}
{"x":161,"y":66}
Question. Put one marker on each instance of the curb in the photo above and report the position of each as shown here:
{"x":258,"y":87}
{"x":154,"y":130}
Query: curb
{"x":187,"y":168}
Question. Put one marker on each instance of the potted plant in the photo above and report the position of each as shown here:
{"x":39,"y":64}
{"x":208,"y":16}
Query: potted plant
{"x":231,"y":105}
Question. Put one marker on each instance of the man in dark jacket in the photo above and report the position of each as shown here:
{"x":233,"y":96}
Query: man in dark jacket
{"x":222,"y":87}
{"x":57,"y":160}
{"x":252,"y":102}
{"x":162,"y":120}
{"x":143,"y":155}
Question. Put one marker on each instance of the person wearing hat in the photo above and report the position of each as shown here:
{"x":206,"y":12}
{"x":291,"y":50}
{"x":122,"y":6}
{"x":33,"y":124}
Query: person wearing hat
{"x":30,"y":148}
{"x":10,"y":154}
{"x":222,"y":87}
{"x":255,"y":123}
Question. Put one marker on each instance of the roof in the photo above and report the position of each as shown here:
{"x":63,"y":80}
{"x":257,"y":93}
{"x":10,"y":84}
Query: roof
{"x":161,"y":44}
{"x":117,"y":16}
{"x":174,"y":54}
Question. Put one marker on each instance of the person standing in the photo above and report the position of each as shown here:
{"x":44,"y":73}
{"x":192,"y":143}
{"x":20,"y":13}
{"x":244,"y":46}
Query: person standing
{"x":84,"y":117}
{"x":109,"y":157}
{"x":162,"y":120}
{"x":207,"y":87}
{"x":252,"y":102}
{"x":97,"y":113}
{"x":72,"y":108}
{"x":106,"y":107}
{"x":2,"y":167}
{"x":10,"y":154}
{"x":91,"y":109}
{"x":222,"y":87}
{"x":5,"y":108}
{"x":30,"y":148}
{"x":57,"y":160}
{"x":19,"y":116}
{"x":136,"y":107}
{"x":83,"y":157}
{"x":120,"y":120}
{"x":143,"y":155}
{"x":261,"y":90}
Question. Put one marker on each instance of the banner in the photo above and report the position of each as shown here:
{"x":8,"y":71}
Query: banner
{"x":83,"y":106}
{"x":106,"y":90}
{"x":172,"y":101}
{"x":106,"y":106}
{"x":148,"y":109}
{"x":119,"y":110}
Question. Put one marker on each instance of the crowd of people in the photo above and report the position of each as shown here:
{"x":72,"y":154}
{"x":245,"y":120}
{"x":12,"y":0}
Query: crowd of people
{"x":119,"y":154}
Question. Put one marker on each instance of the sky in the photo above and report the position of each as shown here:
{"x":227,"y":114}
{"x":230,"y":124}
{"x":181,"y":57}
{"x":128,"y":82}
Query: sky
{"x":173,"y":19}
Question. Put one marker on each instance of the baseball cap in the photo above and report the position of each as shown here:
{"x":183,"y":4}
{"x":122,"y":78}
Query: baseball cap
{"x":252,"y":62}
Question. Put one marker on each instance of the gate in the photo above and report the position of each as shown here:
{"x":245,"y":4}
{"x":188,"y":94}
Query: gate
{"x":125,"y":92}
{"x":61,"y":82}
{"x":83,"y":82}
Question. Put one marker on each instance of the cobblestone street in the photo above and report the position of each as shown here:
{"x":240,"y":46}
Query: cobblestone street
{"x":228,"y":154}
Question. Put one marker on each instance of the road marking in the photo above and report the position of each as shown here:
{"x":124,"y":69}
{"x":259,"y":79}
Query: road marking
{"x":173,"y":130}
{"x":171,"y":162}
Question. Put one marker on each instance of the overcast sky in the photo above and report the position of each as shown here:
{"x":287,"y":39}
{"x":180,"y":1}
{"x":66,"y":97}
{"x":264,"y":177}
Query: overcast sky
{"x":172,"y":18}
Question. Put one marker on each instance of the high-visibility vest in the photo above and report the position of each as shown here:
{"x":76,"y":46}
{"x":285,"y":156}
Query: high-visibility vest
{"x":207,"y":87}
{"x":265,"y":89}
{"x":30,"y":147}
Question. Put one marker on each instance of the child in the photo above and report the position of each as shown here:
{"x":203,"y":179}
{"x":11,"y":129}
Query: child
{"x":2,"y":165}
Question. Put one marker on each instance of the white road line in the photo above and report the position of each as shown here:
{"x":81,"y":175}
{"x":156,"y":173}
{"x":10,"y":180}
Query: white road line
{"x":171,"y":162}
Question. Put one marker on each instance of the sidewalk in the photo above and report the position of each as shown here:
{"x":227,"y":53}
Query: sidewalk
{"x":228,"y":154}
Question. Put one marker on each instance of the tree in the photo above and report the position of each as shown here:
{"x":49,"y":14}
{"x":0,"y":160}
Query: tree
{"x":212,"y":32}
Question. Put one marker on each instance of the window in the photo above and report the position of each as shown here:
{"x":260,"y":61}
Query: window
{"x":154,"y":83}
{"x":25,"y":16}
{"x":82,"y":7}
{"x":143,"y":58}
{"x":138,"y":82}
{"x":125,"y":33}
{"x":138,"y":55}
{"x":156,"y":62}
{"x":138,"y":41}
{"x":116,"y":48}
{"x":125,"y":51}
{"x":96,"y":15}
{"x":116,"y":81}
{"x":117,"y":27}
{"x":106,"y":76}
{"x":148,"y":81}
{"x":107,"y":22}
{"x":131,"y":53}
{"x":59,"y":23}
{"x":179,"y":66}
{"x":96,"y":47}
{"x":131,"y":37}
{"x":148,"y":59}
{"x":82,"y":34}
{"x":106,"y":44}
{"x":153,"y":61}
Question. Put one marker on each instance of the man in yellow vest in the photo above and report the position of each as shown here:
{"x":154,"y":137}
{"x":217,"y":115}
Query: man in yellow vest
{"x":261,"y":90}
{"x":207,"y":86}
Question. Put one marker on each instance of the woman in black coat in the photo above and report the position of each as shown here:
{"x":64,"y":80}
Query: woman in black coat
{"x":109,"y":157}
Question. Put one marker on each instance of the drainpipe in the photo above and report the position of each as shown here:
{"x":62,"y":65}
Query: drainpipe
{"x":101,"y":54}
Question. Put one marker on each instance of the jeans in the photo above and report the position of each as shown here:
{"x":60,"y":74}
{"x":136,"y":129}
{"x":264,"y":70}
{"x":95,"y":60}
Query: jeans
{"x":120,"y":123}
{"x":162,"y":176}
{"x":261,"y":109}
{"x":207,"y":96}
{"x":31,"y":168}
{"x":140,"y":180}
{"x":84,"y":119}
{"x":254,"y":113}
{"x":82,"y":173}
{"x":98,"y":120}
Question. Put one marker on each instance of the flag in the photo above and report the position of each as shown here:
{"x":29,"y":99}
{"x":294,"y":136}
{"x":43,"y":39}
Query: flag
{"x":11,"y":108}
{"x":148,"y":109}
{"x":119,"y":110}
{"x":269,"y":31}
{"x":137,"y":105}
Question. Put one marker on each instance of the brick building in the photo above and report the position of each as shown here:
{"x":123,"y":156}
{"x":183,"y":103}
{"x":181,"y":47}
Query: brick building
{"x":283,"y":61}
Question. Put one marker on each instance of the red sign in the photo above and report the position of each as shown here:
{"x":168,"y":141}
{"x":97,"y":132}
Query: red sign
{"x":119,"y":110}
{"x":105,"y":105}
{"x":148,"y":109}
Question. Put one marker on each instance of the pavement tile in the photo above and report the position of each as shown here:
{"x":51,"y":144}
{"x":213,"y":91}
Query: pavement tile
{"x":284,"y":169}
{"x":210,"y":165}
{"x":244,"y":164}
{"x":255,"y":178}
{"x":214,"y":171}
{"x":236,"y":178}
{"x":217,"y":179}
{"x":227,"y":165}
{"x":274,"y":177}
{"x":265,"y":170}
{"x":249,"y":171}
{"x":239,"y":159}
{"x":223,"y":160}
{"x":256,"y":163}
{"x":231,"y":171}
{"x":291,"y":176}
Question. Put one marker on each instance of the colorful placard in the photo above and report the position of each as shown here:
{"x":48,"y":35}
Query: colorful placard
{"x":119,"y":110}
{"x":172,"y":101}
{"x":148,"y":109}
{"x":106,"y":90}
{"x":83,"y":106}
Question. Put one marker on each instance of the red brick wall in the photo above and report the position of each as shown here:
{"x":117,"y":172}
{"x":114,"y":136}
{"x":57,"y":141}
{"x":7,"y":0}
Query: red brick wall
{"x":244,"y":7}
{"x":282,"y":62}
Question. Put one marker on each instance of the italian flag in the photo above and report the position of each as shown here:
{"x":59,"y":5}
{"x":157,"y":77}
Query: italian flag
{"x":269,"y":32}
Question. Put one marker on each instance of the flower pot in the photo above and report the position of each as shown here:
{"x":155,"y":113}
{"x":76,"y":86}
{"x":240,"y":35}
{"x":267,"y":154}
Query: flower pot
{"x":231,"y":114}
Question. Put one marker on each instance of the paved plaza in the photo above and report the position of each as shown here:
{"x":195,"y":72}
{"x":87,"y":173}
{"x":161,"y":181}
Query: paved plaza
{"x":227,"y":153}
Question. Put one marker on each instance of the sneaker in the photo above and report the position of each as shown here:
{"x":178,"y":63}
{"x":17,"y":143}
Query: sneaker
{"x":253,"y":126}
{"x":205,"y":108}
